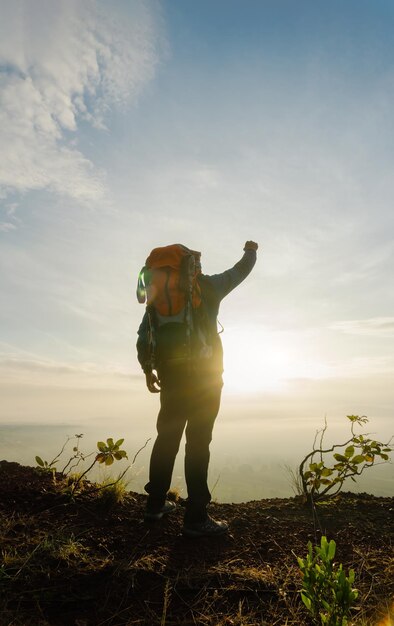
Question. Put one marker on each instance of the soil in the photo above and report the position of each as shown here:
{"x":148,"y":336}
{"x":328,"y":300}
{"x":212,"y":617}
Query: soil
{"x":92,"y":562}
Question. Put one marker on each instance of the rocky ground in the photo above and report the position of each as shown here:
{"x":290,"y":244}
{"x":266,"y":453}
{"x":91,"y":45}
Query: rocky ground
{"x":93,"y":561}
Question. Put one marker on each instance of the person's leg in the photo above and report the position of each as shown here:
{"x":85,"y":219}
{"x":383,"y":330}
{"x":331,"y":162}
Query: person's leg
{"x":206,"y":403}
{"x":170,"y":425}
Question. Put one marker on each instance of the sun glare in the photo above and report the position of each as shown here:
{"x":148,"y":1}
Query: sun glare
{"x":257,"y":360}
{"x":253,"y":362}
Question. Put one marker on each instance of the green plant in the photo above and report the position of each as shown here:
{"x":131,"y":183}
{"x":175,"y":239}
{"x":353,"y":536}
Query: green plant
{"x":327,"y":592}
{"x":319,"y":479}
{"x":78,"y":456}
{"x":107,"y":454}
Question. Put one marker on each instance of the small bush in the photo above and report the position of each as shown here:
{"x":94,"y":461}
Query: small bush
{"x":321,"y":479}
{"x":327,"y":592}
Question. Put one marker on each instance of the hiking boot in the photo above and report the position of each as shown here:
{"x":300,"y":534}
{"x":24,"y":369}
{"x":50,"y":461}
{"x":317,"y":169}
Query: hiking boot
{"x":156,"y":515}
{"x":209,"y":528}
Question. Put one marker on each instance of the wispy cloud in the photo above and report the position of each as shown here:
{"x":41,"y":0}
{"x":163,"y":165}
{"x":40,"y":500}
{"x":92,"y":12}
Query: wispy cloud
{"x":44,"y":372}
{"x":8,"y":219}
{"x":373,"y":327}
{"x":62,"y":63}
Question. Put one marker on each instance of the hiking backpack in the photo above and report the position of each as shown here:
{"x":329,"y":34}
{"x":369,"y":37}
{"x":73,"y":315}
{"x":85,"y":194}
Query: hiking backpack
{"x":174,"y":306}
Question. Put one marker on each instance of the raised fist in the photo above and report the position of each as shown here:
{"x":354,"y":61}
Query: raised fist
{"x":251,"y":245}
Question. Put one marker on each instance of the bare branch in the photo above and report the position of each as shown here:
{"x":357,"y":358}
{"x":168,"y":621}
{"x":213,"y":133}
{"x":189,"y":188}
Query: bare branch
{"x":323,"y":432}
{"x":140,"y":450}
{"x":61,"y":451}
{"x":75,"y":465}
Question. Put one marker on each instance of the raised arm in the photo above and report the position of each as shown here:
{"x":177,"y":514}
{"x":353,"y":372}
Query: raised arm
{"x":227,"y":281}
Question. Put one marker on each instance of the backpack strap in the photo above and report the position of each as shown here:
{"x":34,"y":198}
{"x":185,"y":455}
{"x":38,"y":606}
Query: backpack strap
{"x":151,"y":336}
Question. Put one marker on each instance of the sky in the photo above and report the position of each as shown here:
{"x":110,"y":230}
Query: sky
{"x":133,"y":124}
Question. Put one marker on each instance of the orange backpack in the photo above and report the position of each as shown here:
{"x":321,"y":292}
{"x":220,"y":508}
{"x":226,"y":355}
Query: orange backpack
{"x":168,"y":284}
{"x":177,"y":331}
{"x":168,"y":281}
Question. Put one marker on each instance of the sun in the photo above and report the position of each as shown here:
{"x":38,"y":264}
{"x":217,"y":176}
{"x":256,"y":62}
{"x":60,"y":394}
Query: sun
{"x":259,"y":359}
{"x":256,"y":361}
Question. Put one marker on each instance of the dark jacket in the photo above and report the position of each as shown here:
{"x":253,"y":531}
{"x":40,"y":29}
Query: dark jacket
{"x":213,"y":289}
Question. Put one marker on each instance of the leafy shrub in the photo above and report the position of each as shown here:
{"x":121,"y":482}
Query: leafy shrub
{"x":77,"y":456}
{"x":107,"y":453}
{"x":327,"y":592}
{"x":319,"y":479}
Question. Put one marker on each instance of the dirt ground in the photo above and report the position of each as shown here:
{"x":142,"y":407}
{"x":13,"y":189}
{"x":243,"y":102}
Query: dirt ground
{"x":92,"y":562}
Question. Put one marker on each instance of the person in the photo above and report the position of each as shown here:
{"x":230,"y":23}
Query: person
{"x":190,"y":397}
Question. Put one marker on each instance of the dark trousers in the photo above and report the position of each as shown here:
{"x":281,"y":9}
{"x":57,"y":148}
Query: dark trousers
{"x":191,"y":400}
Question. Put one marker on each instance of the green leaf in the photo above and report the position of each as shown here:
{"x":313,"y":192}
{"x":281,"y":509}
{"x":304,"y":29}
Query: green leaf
{"x":349,"y":452}
{"x":40,"y":461}
{"x":340,"y":457}
{"x":118,"y":456}
{"x":109,"y":459}
{"x":110,"y":442}
{"x":119,"y":443}
{"x":324,"y":543}
{"x":385,"y":457}
{"x":359,"y":458}
{"x":327,"y":472}
{"x":331,"y":549}
{"x":307,"y":601}
{"x":101,"y":446}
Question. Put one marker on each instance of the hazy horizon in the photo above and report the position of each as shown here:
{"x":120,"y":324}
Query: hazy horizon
{"x":255,"y":438}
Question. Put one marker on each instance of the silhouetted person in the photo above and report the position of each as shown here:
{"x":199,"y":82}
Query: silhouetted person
{"x":186,"y":369}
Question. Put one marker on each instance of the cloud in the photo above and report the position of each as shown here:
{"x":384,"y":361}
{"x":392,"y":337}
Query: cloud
{"x":47,"y":373}
{"x":63,"y":63}
{"x":5,"y":227}
{"x":373,"y":327}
